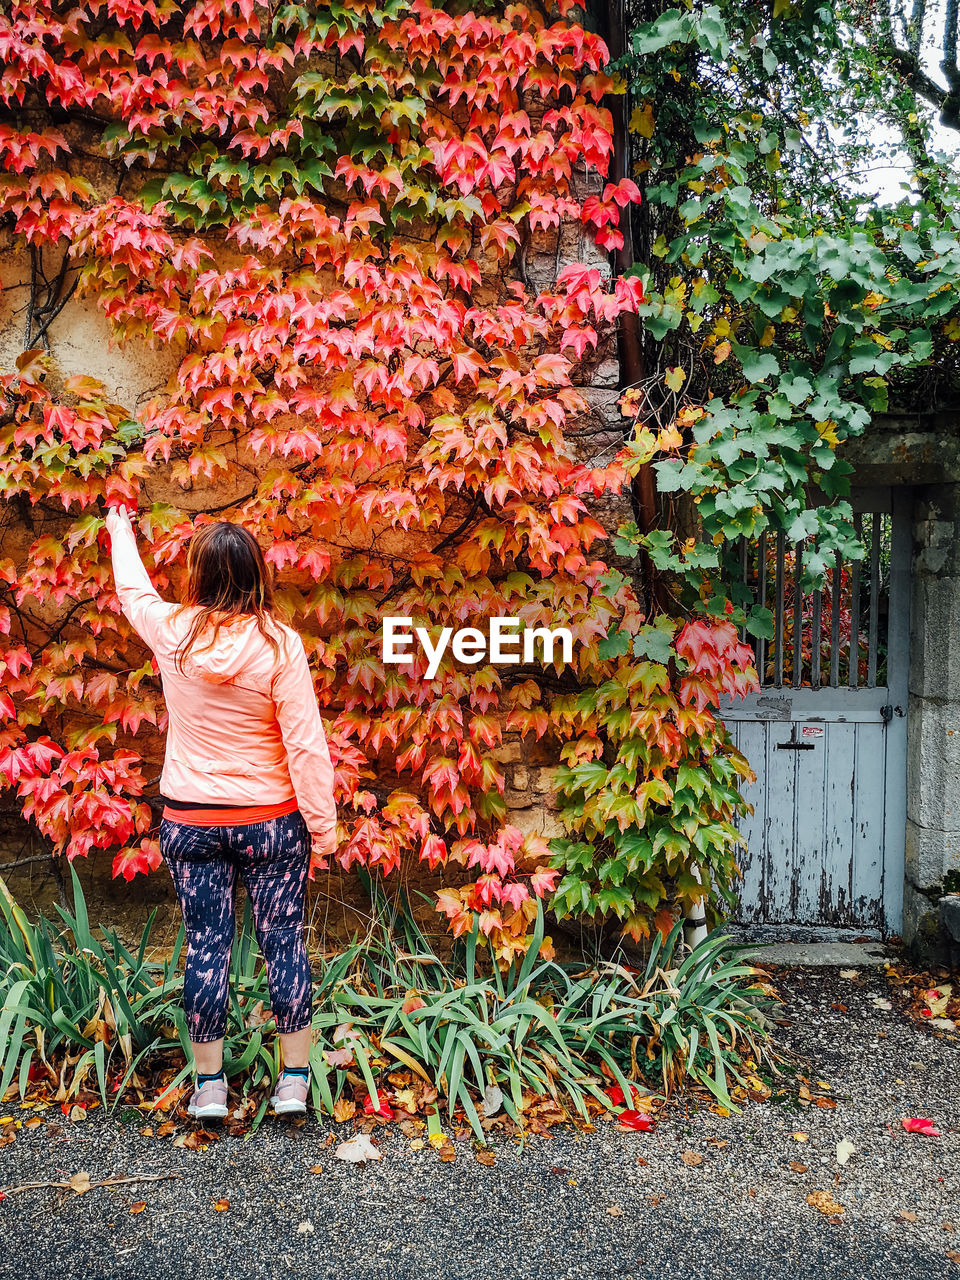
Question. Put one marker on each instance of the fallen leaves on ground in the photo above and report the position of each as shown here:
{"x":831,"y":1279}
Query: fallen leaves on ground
{"x":615,"y":1211}
{"x":618,"y":1099}
{"x":196,"y":1140}
{"x":138,"y":1206}
{"x":933,"y":998}
{"x":492,"y":1100}
{"x":381,"y":1112}
{"x":221,"y":1206}
{"x":918,"y":1124}
{"x":692,"y":1159}
{"x":824,"y":1202}
{"x":344,"y":1109}
{"x":357,"y":1150}
{"x":637,"y":1121}
{"x":80,"y":1182}
{"x":800,"y":1136}
{"x":907,"y":1215}
{"x":486,"y":1156}
{"x":797,"y":1167}
{"x":845,"y":1150}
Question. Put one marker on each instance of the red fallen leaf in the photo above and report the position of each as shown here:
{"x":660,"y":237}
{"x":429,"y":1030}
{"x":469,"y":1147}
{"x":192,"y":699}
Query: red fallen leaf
{"x":917,"y":1124}
{"x":384,"y":1112}
{"x":637,"y":1120}
{"x":412,"y":1003}
{"x":615,"y":1094}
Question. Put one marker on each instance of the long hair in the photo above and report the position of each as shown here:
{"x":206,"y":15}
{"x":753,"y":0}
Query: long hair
{"x":227,"y":578}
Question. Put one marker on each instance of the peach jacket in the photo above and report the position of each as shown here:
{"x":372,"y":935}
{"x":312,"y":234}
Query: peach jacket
{"x":244,"y":727}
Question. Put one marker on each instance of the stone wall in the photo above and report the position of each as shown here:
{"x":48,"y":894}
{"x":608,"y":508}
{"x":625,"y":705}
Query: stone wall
{"x":933,"y":725}
{"x":923,"y":452}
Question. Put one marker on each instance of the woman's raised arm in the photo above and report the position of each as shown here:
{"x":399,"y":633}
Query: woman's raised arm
{"x":139,"y":600}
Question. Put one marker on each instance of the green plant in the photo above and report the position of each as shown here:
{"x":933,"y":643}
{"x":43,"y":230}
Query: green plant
{"x":548,"y":1028}
{"x":68,"y":989}
{"x":78,"y":1005}
{"x":700,"y":1014}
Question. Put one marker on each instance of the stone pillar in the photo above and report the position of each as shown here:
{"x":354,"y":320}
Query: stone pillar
{"x":933,"y":725}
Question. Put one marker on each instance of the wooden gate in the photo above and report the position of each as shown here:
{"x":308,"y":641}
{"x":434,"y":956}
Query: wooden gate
{"x":826,"y":734}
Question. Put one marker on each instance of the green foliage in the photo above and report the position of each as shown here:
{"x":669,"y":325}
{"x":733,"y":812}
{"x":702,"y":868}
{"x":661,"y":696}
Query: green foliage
{"x":100,"y":1016}
{"x":643,"y":844}
{"x":64,"y":986}
{"x":789,"y":305}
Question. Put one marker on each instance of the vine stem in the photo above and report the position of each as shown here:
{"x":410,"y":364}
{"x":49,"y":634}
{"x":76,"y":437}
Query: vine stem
{"x":94,"y":1186}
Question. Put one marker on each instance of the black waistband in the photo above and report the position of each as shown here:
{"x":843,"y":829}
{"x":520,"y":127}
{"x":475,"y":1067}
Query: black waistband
{"x":204,"y":804}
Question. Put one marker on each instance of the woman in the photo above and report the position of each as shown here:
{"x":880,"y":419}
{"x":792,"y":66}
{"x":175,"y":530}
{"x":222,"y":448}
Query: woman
{"x":247,"y":786}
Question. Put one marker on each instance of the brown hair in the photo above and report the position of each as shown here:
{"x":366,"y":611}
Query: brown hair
{"x":227,"y":577}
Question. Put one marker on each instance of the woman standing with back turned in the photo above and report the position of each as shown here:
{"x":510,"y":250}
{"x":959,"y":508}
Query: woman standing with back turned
{"x":247,"y":786}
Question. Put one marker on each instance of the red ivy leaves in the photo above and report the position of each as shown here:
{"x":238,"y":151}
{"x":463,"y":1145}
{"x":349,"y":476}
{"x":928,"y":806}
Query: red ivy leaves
{"x":359,"y":366}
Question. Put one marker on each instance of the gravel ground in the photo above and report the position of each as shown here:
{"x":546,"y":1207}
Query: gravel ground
{"x":564,"y":1208}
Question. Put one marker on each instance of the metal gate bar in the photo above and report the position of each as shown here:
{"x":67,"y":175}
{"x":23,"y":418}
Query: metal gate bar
{"x":799,"y":616}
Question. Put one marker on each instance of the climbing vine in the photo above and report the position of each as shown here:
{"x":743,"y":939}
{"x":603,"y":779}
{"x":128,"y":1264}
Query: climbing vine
{"x":373,"y":237}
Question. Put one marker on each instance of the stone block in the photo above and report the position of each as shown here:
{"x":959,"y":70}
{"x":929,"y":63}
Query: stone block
{"x":933,"y":764}
{"x":921,"y":925}
{"x":950,"y":916}
{"x":536,"y":820}
{"x":543,"y":781}
{"x":516,"y":799}
{"x":930,"y":853}
{"x":607,"y":374}
{"x":935,"y":638}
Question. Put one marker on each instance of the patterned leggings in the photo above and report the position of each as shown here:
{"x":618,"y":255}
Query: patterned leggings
{"x":272,"y":858}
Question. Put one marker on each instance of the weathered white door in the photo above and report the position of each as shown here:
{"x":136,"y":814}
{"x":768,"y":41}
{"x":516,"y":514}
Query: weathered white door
{"x":826,"y":734}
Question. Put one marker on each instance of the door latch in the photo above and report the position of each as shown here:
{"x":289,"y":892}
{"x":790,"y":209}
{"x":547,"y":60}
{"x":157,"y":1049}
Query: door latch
{"x":793,"y":744}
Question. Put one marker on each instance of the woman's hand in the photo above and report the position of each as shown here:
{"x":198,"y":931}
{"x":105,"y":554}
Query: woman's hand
{"x":322,"y":849}
{"x":117,"y":520}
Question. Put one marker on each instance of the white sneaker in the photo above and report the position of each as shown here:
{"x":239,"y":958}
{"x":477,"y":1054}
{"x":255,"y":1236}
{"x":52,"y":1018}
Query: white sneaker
{"x":209,"y":1100}
{"x":290,"y":1097}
